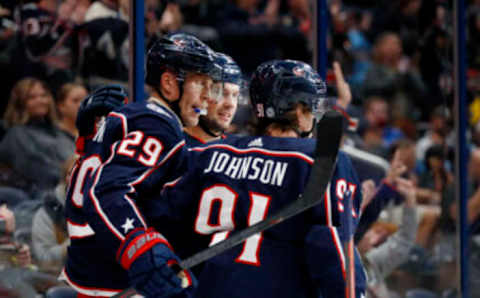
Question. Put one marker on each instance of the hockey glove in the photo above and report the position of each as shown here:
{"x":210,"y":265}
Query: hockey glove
{"x":148,"y":258}
{"x":101,"y":102}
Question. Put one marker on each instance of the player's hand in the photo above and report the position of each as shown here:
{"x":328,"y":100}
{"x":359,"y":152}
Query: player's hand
{"x":99,"y":103}
{"x":149,"y":259}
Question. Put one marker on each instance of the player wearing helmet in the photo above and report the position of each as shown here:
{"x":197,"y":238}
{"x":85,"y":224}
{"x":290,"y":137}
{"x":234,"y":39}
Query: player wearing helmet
{"x":180,"y":70}
{"x":240,"y":181}
{"x":220,"y":113}
{"x":138,"y":148}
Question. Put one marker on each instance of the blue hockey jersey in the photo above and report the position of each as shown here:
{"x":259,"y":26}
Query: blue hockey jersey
{"x":236,"y":183}
{"x":193,"y":141}
{"x":137,"y":150}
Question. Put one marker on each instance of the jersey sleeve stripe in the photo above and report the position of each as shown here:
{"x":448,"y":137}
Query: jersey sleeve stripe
{"x":77,"y":231}
{"x":328,"y":206}
{"x":87,"y":290}
{"x":172,"y":183}
{"x":338,"y":246}
{"x":95,"y":201}
{"x":124,"y":121}
{"x":135,"y":209}
{"x":274,"y":153}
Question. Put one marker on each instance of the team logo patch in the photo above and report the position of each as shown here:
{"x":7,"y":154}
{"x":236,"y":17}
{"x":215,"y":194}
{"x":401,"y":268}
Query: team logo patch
{"x":180,"y":43}
{"x":298,"y":71}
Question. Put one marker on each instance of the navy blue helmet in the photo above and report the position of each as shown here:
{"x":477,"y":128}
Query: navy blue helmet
{"x":181,"y":53}
{"x":278,"y":85}
{"x":231,"y":72}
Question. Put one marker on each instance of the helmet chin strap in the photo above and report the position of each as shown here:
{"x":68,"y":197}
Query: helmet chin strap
{"x":203,"y":123}
{"x":306,"y":134}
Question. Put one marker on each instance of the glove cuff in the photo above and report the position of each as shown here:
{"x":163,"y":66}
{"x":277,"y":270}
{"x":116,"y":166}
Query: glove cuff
{"x":137,"y":243}
{"x":80,"y":145}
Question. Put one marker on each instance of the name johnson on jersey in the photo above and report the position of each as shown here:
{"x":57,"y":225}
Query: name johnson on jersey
{"x":267,"y":171}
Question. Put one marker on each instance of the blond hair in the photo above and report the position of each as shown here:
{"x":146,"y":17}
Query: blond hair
{"x":15,"y":113}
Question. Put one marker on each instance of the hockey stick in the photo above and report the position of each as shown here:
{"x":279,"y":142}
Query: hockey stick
{"x":329,"y":132}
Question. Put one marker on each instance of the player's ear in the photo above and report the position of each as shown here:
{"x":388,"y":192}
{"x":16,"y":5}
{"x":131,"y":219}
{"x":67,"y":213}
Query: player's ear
{"x":169,"y":86}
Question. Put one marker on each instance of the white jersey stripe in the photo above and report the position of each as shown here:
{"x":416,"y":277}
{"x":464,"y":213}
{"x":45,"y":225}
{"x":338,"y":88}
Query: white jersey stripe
{"x":95,"y":201}
{"x":79,"y":231}
{"x":87,"y":290}
{"x":259,"y":150}
{"x":338,"y":245}
{"x":124,"y":122}
{"x":328,"y":206}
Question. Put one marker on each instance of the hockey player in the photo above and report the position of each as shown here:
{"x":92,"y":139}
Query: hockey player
{"x":220,"y":113}
{"x":240,"y":181}
{"x":139,"y":148}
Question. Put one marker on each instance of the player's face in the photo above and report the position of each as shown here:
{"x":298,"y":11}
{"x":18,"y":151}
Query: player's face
{"x":196,"y":92}
{"x":221,"y":112}
{"x":38,"y":102}
{"x":69,"y":106}
{"x":304,"y":118}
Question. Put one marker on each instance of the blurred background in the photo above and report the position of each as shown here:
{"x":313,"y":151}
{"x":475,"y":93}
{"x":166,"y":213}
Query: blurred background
{"x":396,"y":56}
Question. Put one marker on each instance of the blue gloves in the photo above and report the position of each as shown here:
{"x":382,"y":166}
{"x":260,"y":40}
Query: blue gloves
{"x":148,"y":257}
{"x":101,"y":102}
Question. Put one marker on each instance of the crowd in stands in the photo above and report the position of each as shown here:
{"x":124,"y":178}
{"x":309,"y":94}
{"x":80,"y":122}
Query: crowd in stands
{"x":397,"y":57}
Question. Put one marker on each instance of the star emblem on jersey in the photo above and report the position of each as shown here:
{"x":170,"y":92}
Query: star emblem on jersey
{"x":128,"y":225}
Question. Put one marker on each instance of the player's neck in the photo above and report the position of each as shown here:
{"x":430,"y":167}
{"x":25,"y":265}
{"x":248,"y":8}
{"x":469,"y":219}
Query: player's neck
{"x":199,"y":133}
{"x":281,"y":133}
{"x":155,"y":98}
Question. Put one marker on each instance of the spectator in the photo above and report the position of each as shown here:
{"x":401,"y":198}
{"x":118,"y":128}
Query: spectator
{"x":435,"y":66}
{"x":46,"y":42}
{"x":473,"y":209}
{"x":161,"y":18}
{"x":104,"y":9}
{"x":16,"y":269}
{"x":242,"y":20}
{"x":8,"y":44}
{"x":103,"y":43}
{"x":49,"y":232}
{"x":67,"y":102}
{"x":268,"y":38}
{"x":392,"y":77}
{"x":436,"y":133}
{"x":379,"y":134}
{"x":359,"y":46}
{"x":434,"y":182}
{"x":33,"y":146}
{"x":474,"y":38}
{"x":383,"y":253}
{"x":401,"y":17}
